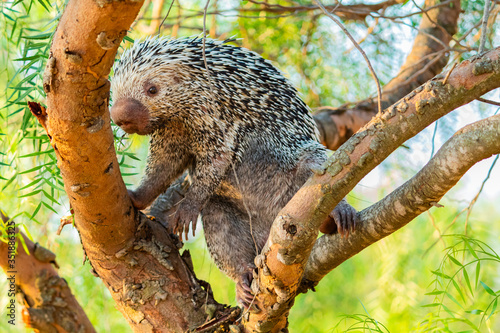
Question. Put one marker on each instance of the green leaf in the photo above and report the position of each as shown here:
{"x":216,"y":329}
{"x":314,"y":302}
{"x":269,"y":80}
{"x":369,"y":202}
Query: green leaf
{"x":441,"y":275}
{"x":455,"y":284}
{"x":50,"y":197}
{"x":30,"y":194}
{"x":478,"y":270}
{"x":128,"y":39}
{"x":493,"y":309}
{"x":455,"y":261}
{"x":471,"y":250}
{"x":39,"y":36}
{"x":23,"y":243}
{"x":450,"y":296}
{"x":9,"y":181}
{"x":431,"y":305}
{"x":34,"y":169}
{"x":36,"y":181}
{"x":467,"y":281}
{"x":488,"y":289}
{"x":38,"y":153}
{"x":49,"y":207}
{"x":36,"y":211}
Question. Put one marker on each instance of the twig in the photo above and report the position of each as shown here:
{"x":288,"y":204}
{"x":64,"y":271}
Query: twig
{"x":469,"y":209}
{"x":449,"y":73}
{"x":484,"y":100}
{"x":379,"y":89}
{"x":440,"y":27}
{"x":369,"y":31}
{"x":484,"y":26}
{"x":161,"y":24}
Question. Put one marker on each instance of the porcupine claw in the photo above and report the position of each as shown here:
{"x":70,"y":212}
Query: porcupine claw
{"x":186,"y":213}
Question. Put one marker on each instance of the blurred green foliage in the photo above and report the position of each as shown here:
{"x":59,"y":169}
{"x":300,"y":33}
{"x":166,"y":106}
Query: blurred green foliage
{"x":415,"y":280}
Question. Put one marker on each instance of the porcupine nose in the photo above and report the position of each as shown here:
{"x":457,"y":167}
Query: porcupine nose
{"x":131,"y":115}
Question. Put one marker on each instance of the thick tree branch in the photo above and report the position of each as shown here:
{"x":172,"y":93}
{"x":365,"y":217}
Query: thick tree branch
{"x":467,"y":147}
{"x":294,"y":231}
{"x":48,"y":304}
{"x":153,"y":286}
{"x":356,"y":12}
{"x":426,"y":59}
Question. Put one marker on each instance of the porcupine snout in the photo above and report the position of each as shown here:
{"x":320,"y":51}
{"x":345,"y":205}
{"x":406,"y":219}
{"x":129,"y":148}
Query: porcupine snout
{"x":131,"y":115}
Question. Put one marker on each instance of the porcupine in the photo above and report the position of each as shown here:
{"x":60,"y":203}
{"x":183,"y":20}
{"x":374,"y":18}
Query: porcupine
{"x":240,"y":128}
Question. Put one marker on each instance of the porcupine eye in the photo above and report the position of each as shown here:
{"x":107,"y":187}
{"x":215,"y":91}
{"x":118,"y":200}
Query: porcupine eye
{"x":152,"y":90}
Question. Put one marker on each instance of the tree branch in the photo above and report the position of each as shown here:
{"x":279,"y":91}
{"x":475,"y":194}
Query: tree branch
{"x":283,"y":259}
{"x":357,"y":12}
{"x":153,"y":285}
{"x":48,"y":304}
{"x":468,"y":146}
{"x":336,"y":125}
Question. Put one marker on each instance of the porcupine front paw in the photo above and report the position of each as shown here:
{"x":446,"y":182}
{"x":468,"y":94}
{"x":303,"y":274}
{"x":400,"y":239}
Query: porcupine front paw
{"x":138,"y":201}
{"x":186,"y":212}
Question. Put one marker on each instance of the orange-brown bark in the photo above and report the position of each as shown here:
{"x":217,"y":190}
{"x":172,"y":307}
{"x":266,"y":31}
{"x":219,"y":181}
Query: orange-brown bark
{"x":426,"y":59}
{"x":47,"y":302}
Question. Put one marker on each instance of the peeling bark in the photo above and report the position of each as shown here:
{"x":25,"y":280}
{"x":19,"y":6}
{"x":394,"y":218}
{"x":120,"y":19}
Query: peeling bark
{"x":468,"y":146}
{"x":47,"y":302}
{"x":283,"y":259}
{"x":426,"y":59}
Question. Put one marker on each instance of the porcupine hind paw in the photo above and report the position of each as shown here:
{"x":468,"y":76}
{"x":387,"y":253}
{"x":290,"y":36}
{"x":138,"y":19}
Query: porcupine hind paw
{"x":342,"y":220}
{"x":244,"y":294}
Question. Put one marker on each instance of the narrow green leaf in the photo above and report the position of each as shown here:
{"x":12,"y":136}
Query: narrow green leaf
{"x":30,"y":194}
{"x":36,"y":210}
{"x":36,"y":181}
{"x":471,"y":250}
{"x":455,"y":261}
{"x":450,"y":296}
{"x":478,"y":270}
{"x":448,"y":311}
{"x":441,"y":274}
{"x":38,"y":153}
{"x":33,"y":169}
{"x":8,"y":16}
{"x":45,"y":5}
{"x":49,"y":207}
{"x":50,"y":197}
{"x":488,"y":289}
{"x":431,"y":305}
{"x":493,"y":309}
{"x":23,"y":244}
{"x":437,"y":292}
{"x":457,"y":287}
{"x":467,"y":281}
{"x":39,"y":36}
{"x":9,"y":181}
